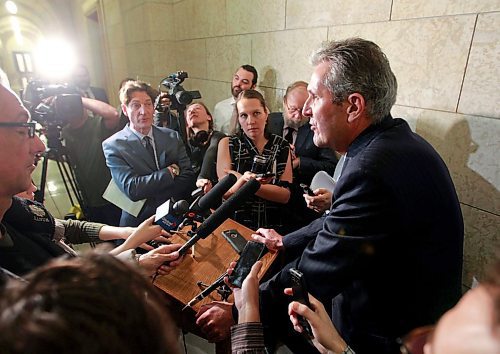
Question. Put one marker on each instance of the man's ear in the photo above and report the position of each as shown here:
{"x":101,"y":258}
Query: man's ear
{"x":124,"y":109}
{"x":356,"y":106}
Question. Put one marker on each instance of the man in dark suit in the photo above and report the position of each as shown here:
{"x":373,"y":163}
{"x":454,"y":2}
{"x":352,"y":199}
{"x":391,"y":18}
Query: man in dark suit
{"x":388,"y":256}
{"x":146,"y":162}
{"x":307,"y":158}
{"x":81,"y":79}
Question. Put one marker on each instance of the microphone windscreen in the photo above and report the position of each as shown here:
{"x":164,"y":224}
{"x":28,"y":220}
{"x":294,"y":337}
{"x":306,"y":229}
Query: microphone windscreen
{"x":180,"y":207}
{"x":213,"y":198}
{"x":228,"y":207}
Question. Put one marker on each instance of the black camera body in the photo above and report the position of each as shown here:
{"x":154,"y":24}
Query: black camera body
{"x":178,"y":96}
{"x":64,"y":107}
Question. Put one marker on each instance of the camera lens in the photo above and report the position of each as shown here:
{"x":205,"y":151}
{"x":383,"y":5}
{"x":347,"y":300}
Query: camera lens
{"x":259,"y":165}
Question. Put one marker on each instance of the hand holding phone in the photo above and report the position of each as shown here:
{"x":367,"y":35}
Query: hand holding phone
{"x":252,"y":252}
{"x":301,"y":295}
{"x":307,"y":190}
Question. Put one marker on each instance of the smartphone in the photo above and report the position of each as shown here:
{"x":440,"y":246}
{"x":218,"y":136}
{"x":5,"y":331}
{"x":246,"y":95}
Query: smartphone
{"x":252,"y":252}
{"x":235,"y":239}
{"x":301,"y":295}
{"x":307,"y":189}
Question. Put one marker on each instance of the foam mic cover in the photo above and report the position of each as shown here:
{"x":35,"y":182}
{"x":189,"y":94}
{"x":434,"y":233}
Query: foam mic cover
{"x":214,"y":196}
{"x":222,"y":213}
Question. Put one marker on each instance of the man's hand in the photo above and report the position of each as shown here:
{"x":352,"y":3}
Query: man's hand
{"x":321,"y":201}
{"x":152,"y":262}
{"x":269,"y":237}
{"x":215,"y":320}
{"x":326,"y":337}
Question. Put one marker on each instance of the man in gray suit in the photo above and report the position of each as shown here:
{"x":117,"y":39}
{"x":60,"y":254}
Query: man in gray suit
{"x":146,"y":161}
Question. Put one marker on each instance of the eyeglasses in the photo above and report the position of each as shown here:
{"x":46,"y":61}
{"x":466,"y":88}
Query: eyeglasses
{"x":293,"y":110}
{"x":30,"y":125}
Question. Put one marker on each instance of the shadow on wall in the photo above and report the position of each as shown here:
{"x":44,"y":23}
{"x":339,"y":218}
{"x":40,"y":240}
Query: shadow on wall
{"x":267,"y":86}
{"x":451,"y":137}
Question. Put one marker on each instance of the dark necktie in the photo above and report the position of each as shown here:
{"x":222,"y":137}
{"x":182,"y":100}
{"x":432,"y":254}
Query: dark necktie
{"x":289,"y":135}
{"x":149,"y":148}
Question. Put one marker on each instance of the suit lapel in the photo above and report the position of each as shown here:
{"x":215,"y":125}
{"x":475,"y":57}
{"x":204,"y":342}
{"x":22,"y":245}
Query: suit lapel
{"x":139,"y":149}
{"x":160,"y":143}
{"x":302,"y":135}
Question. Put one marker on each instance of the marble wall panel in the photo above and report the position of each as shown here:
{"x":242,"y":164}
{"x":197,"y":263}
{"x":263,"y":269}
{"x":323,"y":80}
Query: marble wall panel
{"x":307,"y":14}
{"x":481,"y":242}
{"x":112,"y":12}
{"x":428,"y":56}
{"x":225,"y":55}
{"x":160,"y":21}
{"x":430,"y":8}
{"x":245,"y":16}
{"x":135,"y":25}
{"x":482,"y":79}
{"x":130,"y":4}
{"x":483,"y":169}
{"x":115,"y":36}
{"x":278,"y":64}
{"x":164,"y":56}
{"x":199,"y":19}
{"x":191,"y":56}
{"x":140,"y":60}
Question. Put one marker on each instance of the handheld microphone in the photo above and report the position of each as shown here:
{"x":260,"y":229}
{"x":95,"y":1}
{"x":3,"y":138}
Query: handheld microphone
{"x":222,"y":213}
{"x":168,"y":214}
{"x":208,"y":201}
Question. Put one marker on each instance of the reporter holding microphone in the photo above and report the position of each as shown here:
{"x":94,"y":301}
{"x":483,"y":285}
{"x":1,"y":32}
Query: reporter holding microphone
{"x":254,"y":153}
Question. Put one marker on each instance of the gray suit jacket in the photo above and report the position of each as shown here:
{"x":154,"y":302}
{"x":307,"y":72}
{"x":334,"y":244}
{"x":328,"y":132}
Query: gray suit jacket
{"x":135,"y":172}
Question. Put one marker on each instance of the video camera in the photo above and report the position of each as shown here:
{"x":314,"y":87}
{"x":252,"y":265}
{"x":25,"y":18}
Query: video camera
{"x":178,"y":96}
{"x":65,"y":106}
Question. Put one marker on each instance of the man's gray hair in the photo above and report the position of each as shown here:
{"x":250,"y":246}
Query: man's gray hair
{"x":358,"y":65}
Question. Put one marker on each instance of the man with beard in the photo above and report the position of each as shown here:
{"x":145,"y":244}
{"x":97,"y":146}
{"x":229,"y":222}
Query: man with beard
{"x":307,"y":158}
{"x":245,"y":78}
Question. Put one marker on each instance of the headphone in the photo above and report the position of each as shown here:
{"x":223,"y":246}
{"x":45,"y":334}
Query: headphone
{"x":201,"y":138}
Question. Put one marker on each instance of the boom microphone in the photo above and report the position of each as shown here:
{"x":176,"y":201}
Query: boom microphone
{"x":211,"y":200}
{"x":214,"y":196}
{"x":222,"y":213}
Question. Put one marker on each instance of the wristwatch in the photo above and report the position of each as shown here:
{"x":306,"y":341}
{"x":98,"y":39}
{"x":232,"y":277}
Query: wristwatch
{"x":175,"y":170}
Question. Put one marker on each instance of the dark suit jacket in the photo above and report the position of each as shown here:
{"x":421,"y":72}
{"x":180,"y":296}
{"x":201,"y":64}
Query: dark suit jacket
{"x":99,"y":94}
{"x":388,"y":256}
{"x":135,"y":173}
{"x":312,"y":158}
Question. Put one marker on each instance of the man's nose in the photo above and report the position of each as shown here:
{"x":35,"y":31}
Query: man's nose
{"x":306,"y":110}
{"x":37,"y":145}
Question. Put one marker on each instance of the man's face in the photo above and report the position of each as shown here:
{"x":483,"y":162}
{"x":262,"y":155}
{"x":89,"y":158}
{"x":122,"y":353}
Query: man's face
{"x":18,"y":152}
{"x":328,"y":119}
{"x":140,"y":111}
{"x":81,"y":78}
{"x":242,"y":80}
{"x":292,"y":108}
{"x":469,"y":327}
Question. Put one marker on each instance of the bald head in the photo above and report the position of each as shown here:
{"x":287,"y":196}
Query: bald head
{"x":18,"y":150}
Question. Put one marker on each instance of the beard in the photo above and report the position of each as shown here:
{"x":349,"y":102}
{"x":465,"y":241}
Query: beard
{"x":295,"y":124}
{"x":235,"y":91}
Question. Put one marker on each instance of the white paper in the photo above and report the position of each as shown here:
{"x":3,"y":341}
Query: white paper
{"x":114,"y":195}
